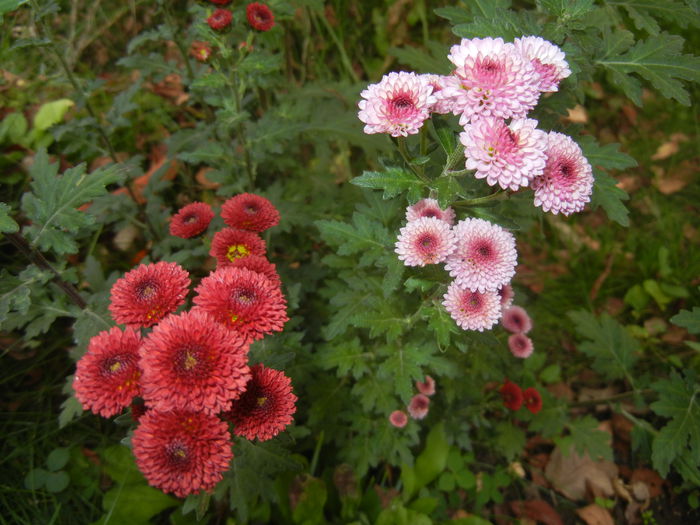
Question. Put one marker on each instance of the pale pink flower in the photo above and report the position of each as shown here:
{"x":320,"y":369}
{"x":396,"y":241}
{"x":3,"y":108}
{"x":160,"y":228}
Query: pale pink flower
{"x":398,"y":104}
{"x":484,"y":258}
{"x":427,"y":240}
{"x":508,"y":155}
{"x":506,"y":295}
{"x":427,"y":387}
{"x":419,"y":406}
{"x":398,"y":418}
{"x":567,"y":182}
{"x":472,"y":310}
{"x":491,"y":79}
{"x":520,"y":346}
{"x":549,"y":61}
{"x":430,"y":208}
{"x":442,"y":105}
{"x":516,"y":320}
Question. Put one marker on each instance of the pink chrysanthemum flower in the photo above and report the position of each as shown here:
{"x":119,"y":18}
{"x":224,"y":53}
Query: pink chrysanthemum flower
{"x":442,"y":105}
{"x":567,"y":182}
{"x":506,"y":295}
{"x":508,"y":155}
{"x":244,"y":301}
{"x":267,"y":406}
{"x":397,"y":105}
{"x":260,"y":264}
{"x":548,"y":60}
{"x":472,"y":310}
{"x":251,"y":212}
{"x":398,"y":418}
{"x":107,"y":375}
{"x":512,"y":395}
{"x":516,"y":320}
{"x":427,"y":240}
{"x":418,"y":406}
{"x":191,"y":220}
{"x":259,"y":16}
{"x":491,"y":79}
{"x":148,"y":293}
{"x":430,"y":208}
{"x":231,"y":244}
{"x":190,"y":362}
{"x":520,"y":346}
{"x":532,"y":400}
{"x":182,"y":452}
{"x":428,"y":387}
{"x":484,"y":258}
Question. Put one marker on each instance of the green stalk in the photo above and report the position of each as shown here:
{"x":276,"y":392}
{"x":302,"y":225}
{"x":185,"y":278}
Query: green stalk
{"x":403,"y":150}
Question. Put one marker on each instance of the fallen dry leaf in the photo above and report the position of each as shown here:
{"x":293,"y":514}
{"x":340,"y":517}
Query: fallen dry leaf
{"x":650,"y":478}
{"x":538,"y":510}
{"x":572,"y":473}
{"x":676,"y":179}
{"x":665,"y":150}
{"x":577,"y":114}
{"x":595,"y":515}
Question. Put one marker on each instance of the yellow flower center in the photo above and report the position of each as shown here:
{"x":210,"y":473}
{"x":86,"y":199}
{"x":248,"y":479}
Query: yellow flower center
{"x":237,"y":251}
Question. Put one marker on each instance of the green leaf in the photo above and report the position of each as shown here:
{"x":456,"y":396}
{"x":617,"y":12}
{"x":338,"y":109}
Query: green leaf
{"x":645,"y":13}
{"x":7,"y":223}
{"x":608,"y":344}
{"x":678,"y":400}
{"x":393,"y":181}
{"x":403,"y":367}
{"x":309,"y":507}
{"x":505,"y":24}
{"x":58,"y":458}
{"x":660,"y":61}
{"x":349,"y":357}
{"x":567,"y":10}
{"x":57,"y":481}
{"x":586,"y":438}
{"x":363,"y":234}
{"x":10,"y":5}
{"x":119,"y":501}
{"x":52,"y":204}
{"x":432,"y":461}
{"x":434,"y":62}
{"x":51,"y":113}
{"x":13,"y":128}
{"x":35,"y":479}
{"x":690,"y":320}
{"x":509,"y":440}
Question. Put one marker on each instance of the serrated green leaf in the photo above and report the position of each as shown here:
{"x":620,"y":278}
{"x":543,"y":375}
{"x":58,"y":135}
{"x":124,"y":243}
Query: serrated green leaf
{"x":52,"y":204}
{"x":7,"y":223}
{"x":363,"y":234}
{"x":586,"y":438}
{"x":567,"y":10}
{"x":403,"y":368}
{"x":421,"y":61}
{"x":690,"y":320}
{"x":393,"y":181}
{"x":506,"y":24}
{"x":10,"y":5}
{"x":678,"y":400}
{"x":447,"y":189}
{"x":509,"y":440}
{"x":51,"y":113}
{"x":645,"y":13}
{"x":608,"y":344}
{"x":349,"y":357}
{"x":658,"y":60}
{"x":70,"y":409}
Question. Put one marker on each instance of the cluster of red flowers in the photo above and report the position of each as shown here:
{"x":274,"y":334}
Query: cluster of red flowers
{"x":259,"y":16}
{"x":189,"y":376}
{"x":418,"y":406}
{"x":514,"y":397}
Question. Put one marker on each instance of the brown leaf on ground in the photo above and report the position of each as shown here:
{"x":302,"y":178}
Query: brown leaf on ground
{"x":595,"y":515}
{"x":561,"y":390}
{"x":538,"y":510}
{"x":675,"y":335}
{"x":385,"y":495}
{"x":622,"y":427}
{"x":577,"y":114}
{"x":570,"y":474}
{"x":676,"y":178}
{"x":670,"y":147}
{"x":201,"y":177}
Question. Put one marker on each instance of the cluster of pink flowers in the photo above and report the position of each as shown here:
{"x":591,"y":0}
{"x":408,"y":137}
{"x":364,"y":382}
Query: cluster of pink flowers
{"x":492,"y":88}
{"x":516,"y":321}
{"x":480,"y":257}
{"x":419,"y":405}
{"x":514,"y":397}
{"x":259,"y":16}
{"x":189,"y":376}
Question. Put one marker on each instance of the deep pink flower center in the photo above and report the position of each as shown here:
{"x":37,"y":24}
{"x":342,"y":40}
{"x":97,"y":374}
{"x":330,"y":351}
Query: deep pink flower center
{"x":561,"y":169}
{"x":430,"y":212}
{"x":251,"y":209}
{"x":481,"y":252}
{"x":471,"y":302}
{"x":116,"y":364}
{"x":146,"y":290}
{"x":244,"y":296}
{"x":488,"y":72}
{"x":189,"y":219}
{"x":547,"y":72}
{"x":177,"y":454}
{"x":191,"y":361}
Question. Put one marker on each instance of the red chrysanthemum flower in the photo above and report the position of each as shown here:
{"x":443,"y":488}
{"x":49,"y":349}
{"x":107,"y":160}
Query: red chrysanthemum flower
{"x":520,"y":345}
{"x":107,"y":376}
{"x":251,"y":212}
{"x":148,"y":293}
{"x":201,"y":51}
{"x":516,"y":320}
{"x":260,"y":264}
{"x":220,"y":2}
{"x":190,"y":362}
{"x":398,"y":418}
{"x":243,"y":300}
{"x":428,"y":387}
{"x":191,"y":220}
{"x":266,"y":407}
{"x":512,"y":395}
{"x":220,"y":19}
{"x":418,"y":406}
{"x":260,"y":16}
{"x":182,"y":452}
{"x":231,"y":243}
{"x":532,"y":400}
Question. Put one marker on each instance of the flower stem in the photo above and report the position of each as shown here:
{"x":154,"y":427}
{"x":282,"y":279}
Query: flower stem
{"x":499,"y":195}
{"x":403,"y":150}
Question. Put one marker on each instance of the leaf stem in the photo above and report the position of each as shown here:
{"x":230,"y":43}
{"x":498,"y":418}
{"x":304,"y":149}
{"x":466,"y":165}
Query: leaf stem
{"x":611,"y":399}
{"x":403,"y":150}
